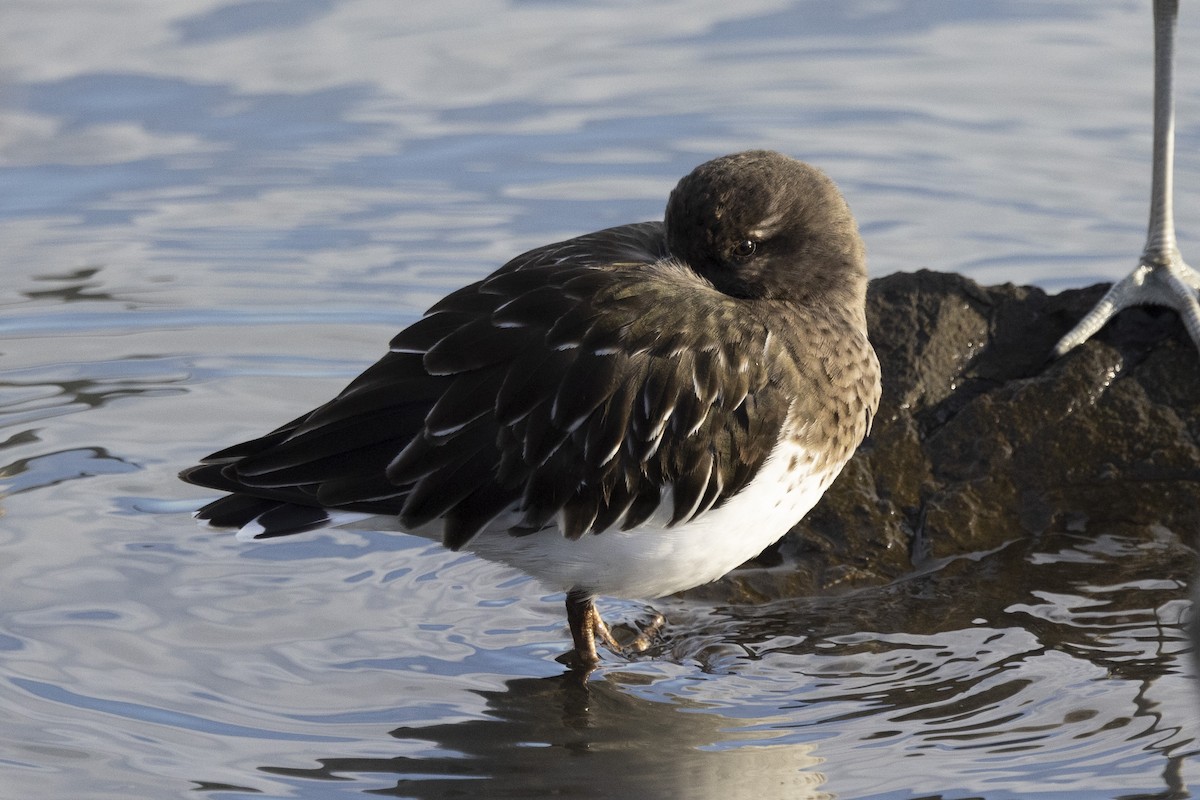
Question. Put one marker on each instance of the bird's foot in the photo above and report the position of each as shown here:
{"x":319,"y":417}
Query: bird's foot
{"x":628,"y":641}
{"x":605,"y":633}
{"x":1173,"y":284}
{"x":587,"y":626}
{"x":637,"y":638}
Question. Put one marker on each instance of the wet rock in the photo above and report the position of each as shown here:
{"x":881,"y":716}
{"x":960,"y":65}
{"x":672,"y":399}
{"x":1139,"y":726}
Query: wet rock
{"x":981,"y":440}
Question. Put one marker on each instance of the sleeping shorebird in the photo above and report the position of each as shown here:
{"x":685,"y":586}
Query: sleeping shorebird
{"x":633,"y":412}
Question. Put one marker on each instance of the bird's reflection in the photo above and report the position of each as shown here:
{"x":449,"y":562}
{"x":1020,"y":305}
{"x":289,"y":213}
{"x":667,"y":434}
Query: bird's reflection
{"x":567,"y":737}
{"x":80,"y":285}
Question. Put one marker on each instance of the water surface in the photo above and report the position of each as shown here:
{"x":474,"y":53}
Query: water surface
{"x":215,"y":214}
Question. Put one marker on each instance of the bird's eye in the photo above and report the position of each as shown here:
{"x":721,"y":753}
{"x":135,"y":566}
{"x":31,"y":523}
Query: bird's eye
{"x":744,"y":249}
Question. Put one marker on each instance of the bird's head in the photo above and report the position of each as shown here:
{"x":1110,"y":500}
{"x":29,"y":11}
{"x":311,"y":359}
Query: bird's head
{"x":759,"y":224}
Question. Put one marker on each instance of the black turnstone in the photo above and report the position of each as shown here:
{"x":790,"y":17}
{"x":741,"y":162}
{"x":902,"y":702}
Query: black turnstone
{"x":632,"y":412}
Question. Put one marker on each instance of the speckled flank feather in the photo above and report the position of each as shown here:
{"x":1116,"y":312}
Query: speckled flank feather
{"x":656,"y":558}
{"x":543,"y":386}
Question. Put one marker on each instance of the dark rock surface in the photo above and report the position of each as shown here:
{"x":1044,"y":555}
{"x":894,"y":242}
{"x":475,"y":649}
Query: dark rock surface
{"x":981,"y":440}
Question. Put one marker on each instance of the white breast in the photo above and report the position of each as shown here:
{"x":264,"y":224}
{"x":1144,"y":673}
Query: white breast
{"x":652,"y":559}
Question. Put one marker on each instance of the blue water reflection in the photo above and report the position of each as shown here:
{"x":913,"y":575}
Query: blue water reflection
{"x":216,"y":213}
{"x":243,"y":19}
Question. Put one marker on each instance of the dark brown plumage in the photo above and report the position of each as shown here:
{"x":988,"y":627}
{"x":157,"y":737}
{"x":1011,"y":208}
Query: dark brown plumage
{"x":631,"y":380}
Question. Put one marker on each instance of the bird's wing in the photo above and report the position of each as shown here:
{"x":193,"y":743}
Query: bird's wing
{"x":578,"y":385}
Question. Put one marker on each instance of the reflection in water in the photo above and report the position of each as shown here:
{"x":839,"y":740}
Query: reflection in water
{"x":65,"y":388}
{"x":1067,"y":648}
{"x":561,"y":737}
{"x":1055,"y":663}
{"x":32,"y":396}
{"x":50,"y":469}
{"x":77,"y":286}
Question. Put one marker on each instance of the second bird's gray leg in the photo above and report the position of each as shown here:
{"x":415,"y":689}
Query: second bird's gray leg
{"x":1161,"y":277}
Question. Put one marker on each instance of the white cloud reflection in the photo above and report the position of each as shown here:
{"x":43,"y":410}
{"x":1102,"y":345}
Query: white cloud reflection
{"x":1006,"y":140}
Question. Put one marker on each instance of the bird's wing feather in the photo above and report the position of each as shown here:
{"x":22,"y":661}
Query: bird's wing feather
{"x":562,"y":389}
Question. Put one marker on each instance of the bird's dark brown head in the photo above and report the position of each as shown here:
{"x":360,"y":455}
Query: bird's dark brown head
{"x":759,"y":224}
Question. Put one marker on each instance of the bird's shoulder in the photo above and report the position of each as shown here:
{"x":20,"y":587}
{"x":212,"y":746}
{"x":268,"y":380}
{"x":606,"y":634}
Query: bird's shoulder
{"x":587,"y":384}
{"x":601,"y":388}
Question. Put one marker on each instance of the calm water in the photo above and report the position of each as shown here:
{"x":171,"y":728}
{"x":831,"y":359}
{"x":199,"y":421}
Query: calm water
{"x":214,"y":214}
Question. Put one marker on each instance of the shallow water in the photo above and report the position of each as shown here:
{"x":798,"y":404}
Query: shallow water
{"x":215,"y":215}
